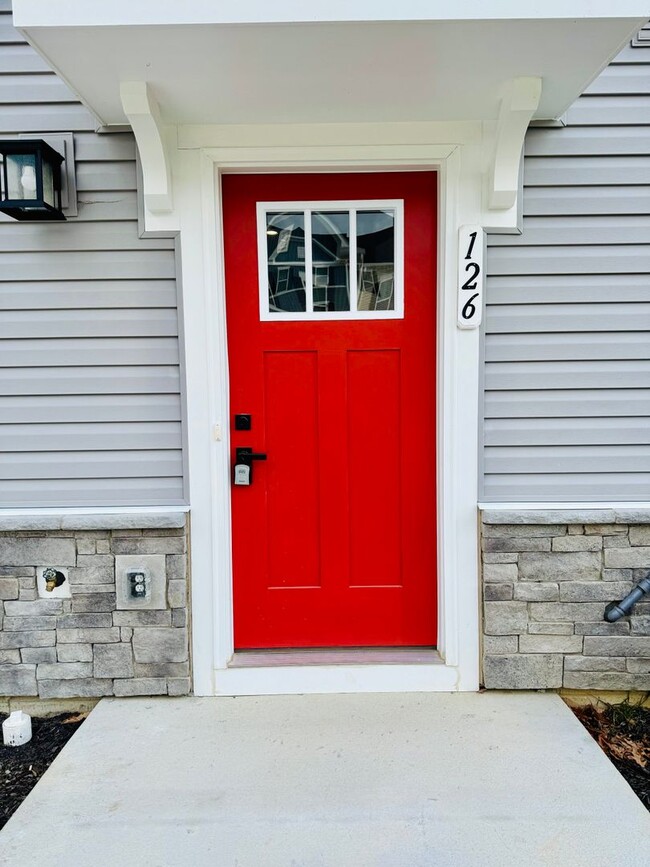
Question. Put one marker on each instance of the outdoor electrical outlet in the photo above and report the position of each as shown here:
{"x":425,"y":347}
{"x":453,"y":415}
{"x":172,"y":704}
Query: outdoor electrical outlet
{"x":140,"y":581}
{"x":138,"y":584}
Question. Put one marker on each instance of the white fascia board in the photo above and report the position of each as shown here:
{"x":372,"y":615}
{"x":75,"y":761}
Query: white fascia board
{"x":75,"y":13}
{"x":330,"y":135}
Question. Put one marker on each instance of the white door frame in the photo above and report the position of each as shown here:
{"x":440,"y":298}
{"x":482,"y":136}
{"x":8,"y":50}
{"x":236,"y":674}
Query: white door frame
{"x":199,"y":208}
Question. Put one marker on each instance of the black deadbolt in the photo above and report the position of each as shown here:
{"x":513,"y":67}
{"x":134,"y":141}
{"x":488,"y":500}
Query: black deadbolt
{"x":242,"y":421}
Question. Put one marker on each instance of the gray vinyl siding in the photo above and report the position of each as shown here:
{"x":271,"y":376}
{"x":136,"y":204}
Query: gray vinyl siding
{"x":90,"y":386}
{"x":566,"y":336}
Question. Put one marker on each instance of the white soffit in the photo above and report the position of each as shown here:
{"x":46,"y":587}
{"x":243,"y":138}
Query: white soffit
{"x":295,"y":62}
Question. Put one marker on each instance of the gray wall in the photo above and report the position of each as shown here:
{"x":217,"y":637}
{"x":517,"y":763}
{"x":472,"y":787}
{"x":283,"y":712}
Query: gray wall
{"x":90,"y":403}
{"x":567,"y":370}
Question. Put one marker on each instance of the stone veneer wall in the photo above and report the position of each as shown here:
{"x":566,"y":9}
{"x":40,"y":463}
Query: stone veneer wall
{"x":83,"y":646}
{"x":545,"y":588}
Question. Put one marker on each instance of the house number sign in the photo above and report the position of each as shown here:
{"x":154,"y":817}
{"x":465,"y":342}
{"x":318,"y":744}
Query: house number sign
{"x":470,"y":276}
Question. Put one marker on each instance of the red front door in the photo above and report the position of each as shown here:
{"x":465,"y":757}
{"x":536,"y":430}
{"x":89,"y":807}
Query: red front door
{"x":334,"y":539}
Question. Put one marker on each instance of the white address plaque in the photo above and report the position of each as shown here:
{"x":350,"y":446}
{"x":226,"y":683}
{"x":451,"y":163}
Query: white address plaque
{"x":470,"y":276}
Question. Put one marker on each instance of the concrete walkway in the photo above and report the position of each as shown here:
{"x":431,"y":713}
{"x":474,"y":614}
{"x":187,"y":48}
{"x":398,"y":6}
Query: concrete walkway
{"x":330,"y":781}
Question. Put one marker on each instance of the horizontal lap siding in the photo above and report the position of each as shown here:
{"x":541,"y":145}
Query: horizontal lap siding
{"x":90,"y":390}
{"x":566,"y":348}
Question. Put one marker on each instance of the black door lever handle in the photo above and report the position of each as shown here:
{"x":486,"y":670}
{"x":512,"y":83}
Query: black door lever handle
{"x":245,"y":455}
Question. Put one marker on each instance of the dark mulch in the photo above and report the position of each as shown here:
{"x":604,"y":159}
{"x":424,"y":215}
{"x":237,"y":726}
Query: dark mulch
{"x":21,"y":767}
{"x":623,"y":732}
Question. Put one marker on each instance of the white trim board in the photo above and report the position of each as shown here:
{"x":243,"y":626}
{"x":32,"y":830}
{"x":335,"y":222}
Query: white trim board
{"x":43,"y":13}
{"x":303,"y":679}
{"x":94,"y":510}
{"x":589,"y":506}
{"x":459,"y":201}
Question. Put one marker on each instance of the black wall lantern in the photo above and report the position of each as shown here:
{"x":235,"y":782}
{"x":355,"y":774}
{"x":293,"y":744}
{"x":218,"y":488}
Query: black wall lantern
{"x":30,"y":180}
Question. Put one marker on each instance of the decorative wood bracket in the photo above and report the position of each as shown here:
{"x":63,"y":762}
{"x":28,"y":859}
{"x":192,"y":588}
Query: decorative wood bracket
{"x":143,"y":114}
{"x":518,"y":104}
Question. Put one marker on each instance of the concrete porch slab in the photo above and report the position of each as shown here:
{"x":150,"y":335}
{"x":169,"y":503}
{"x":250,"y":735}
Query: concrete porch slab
{"x":412,"y":780}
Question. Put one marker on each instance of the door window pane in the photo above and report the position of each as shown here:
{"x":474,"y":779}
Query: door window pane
{"x":285,"y":242}
{"x":376,"y":260}
{"x":324,"y":260}
{"x":330,"y":241}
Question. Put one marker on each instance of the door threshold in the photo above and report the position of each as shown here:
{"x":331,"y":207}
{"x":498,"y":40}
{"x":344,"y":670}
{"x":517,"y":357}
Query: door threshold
{"x":336,"y":656}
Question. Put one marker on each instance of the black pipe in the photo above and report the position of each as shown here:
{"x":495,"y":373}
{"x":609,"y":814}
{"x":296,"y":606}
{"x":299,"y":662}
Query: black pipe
{"x":615,"y":610}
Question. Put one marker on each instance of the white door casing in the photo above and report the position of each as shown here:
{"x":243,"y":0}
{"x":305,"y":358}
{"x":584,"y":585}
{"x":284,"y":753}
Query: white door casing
{"x":197,"y":171}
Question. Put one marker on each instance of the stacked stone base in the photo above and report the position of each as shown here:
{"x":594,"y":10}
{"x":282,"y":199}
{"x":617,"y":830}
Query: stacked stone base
{"x":545,"y":588}
{"x":83,"y":646}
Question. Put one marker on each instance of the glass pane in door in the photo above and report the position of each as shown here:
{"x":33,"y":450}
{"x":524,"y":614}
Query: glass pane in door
{"x":285,"y":244}
{"x":331,"y":260}
{"x":376,"y":260}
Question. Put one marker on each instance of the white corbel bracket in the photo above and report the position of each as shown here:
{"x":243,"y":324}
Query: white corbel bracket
{"x":143,"y":114}
{"x":519,"y":102}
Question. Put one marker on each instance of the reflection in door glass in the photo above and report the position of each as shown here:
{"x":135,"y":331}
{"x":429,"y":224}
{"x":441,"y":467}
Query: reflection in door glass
{"x":376,"y":260}
{"x":285,"y":244}
{"x":330,"y":232}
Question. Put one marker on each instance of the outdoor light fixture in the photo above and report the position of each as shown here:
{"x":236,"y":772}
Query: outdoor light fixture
{"x":30,"y":180}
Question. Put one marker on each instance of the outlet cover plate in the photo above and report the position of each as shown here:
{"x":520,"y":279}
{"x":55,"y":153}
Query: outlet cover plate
{"x":154,"y":566}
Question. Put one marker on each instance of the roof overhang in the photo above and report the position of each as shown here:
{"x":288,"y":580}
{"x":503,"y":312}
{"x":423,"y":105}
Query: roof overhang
{"x":326,"y":61}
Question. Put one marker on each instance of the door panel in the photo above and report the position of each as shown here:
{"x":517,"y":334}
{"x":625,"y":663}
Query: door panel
{"x":334,"y":540}
{"x":293,"y":498}
{"x":374,"y":467}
